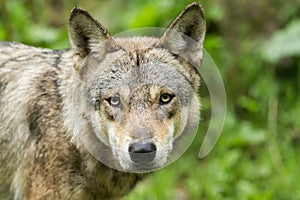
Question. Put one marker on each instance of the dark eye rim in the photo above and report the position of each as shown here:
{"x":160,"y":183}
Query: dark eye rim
{"x":171,"y":96}
{"x":97,"y":104}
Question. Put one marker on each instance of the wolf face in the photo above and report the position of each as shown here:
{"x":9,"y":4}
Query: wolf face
{"x":137,"y":95}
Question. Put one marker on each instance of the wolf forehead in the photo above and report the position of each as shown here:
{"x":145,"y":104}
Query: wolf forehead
{"x":140,"y":66}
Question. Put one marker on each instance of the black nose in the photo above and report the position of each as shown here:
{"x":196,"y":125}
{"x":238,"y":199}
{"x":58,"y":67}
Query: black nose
{"x":142,"y":153}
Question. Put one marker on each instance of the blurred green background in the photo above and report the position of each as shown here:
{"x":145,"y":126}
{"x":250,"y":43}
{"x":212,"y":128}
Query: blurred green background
{"x":255,"y":44}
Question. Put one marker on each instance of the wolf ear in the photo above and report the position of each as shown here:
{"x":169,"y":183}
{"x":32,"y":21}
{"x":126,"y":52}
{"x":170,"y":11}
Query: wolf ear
{"x":86,"y":36}
{"x":185,"y":35}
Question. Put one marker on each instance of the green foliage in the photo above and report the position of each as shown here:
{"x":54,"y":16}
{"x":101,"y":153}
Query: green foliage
{"x":256,"y":45}
{"x":17,"y":25}
{"x":284,"y":43}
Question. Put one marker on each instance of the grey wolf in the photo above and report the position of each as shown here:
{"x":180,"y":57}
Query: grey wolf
{"x":125,"y":100}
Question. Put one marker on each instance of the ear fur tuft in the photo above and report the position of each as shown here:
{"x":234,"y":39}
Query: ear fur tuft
{"x":185,"y":35}
{"x":86,"y":35}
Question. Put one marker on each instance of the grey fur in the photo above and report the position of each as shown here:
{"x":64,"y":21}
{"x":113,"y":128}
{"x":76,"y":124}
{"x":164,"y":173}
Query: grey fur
{"x":53,"y":104}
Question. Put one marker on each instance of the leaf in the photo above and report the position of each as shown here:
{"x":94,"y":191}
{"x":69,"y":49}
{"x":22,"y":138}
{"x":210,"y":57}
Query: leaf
{"x":284,"y":43}
{"x":247,"y":135}
{"x":40,"y":33}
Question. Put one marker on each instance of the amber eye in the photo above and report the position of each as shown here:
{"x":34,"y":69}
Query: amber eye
{"x":114,"y":101}
{"x":165,"y":98}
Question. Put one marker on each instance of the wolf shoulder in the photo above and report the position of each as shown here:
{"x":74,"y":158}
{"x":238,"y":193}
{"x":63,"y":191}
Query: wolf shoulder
{"x":29,"y":76}
{"x":24,"y":72}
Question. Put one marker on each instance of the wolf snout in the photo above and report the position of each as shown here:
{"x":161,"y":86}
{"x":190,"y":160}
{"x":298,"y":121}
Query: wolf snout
{"x":142,"y":153}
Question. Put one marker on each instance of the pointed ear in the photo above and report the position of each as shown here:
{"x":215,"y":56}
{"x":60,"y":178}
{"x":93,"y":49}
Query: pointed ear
{"x":185,"y":36}
{"x":87,"y":36}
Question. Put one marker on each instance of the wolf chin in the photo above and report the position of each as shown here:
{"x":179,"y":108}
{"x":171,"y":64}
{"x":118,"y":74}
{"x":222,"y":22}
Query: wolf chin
{"x":84,"y":123}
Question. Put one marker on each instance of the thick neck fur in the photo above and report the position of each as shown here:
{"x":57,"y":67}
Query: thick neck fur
{"x":38,"y":131}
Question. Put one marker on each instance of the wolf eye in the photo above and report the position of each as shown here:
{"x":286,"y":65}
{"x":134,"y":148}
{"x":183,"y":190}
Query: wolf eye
{"x":165,"y":98}
{"x":114,"y":101}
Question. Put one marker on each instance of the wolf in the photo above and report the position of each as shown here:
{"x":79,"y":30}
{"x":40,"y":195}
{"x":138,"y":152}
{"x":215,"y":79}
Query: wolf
{"x":92,"y":121}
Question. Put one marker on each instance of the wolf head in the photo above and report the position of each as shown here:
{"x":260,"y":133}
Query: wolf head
{"x":138,"y":95}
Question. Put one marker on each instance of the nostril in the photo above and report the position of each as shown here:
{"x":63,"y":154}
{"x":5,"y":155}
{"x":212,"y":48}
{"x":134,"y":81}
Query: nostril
{"x":142,"y":147}
{"x":142,"y":153}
